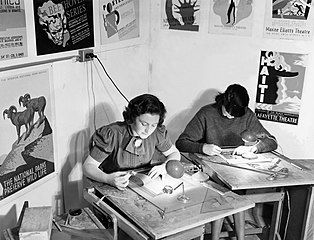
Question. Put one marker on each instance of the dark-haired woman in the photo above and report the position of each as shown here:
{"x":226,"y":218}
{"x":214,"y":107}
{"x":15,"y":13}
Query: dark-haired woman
{"x":220,"y":124}
{"x":121,"y":146}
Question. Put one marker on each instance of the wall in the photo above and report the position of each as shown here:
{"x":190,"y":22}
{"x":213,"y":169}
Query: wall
{"x":84,"y":100}
{"x":184,"y":69}
{"x":189,"y":68}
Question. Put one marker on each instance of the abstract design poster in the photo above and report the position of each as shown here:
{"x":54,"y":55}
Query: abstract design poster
{"x":280,"y":85}
{"x":26,"y":155}
{"x":119,"y":20}
{"x":63,"y":25}
{"x":180,"y":14}
{"x":13,"y":40}
{"x":231,"y":17}
{"x":289,"y":19}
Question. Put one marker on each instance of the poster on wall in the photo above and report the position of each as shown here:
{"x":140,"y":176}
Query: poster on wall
{"x":63,"y":25}
{"x":13,"y":40}
{"x":119,"y":20}
{"x":180,"y":14}
{"x":26,"y":151}
{"x":289,"y":19}
{"x":280,"y":86}
{"x":233,"y":17}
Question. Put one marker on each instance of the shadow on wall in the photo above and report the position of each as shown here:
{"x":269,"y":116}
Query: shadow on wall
{"x":72,"y":175}
{"x":8,"y":220}
{"x":178,"y":123}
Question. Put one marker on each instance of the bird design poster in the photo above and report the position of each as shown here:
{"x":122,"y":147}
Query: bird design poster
{"x":119,"y":20}
{"x":26,"y":151}
{"x":180,"y":14}
{"x":289,"y":19}
{"x":232,"y":17}
{"x":13,"y":40}
{"x":279,"y":86}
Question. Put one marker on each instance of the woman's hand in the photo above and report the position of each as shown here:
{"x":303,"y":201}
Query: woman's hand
{"x":119,"y":180}
{"x":156,"y":171}
{"x":211,"y":149}
{"x":244,"y":149}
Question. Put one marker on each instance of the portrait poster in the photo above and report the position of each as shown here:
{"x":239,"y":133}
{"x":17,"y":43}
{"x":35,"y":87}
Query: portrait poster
{"x":180,"y":14}
{"x":13,"y":39}
{"x":280,"y":85}
{"x":26,"y":151}
{"x":63,"y":25}
{"x":119,"y":20}
{"x":232,"y":17}
{"x":289,"y":19}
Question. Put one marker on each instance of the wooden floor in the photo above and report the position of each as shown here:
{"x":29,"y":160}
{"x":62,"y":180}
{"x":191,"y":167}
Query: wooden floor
{"x":226,"y":226}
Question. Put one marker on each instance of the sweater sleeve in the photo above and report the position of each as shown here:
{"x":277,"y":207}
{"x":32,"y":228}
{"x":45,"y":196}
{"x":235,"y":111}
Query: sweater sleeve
{"x":189,"y":140}
{"x":267,"y":142}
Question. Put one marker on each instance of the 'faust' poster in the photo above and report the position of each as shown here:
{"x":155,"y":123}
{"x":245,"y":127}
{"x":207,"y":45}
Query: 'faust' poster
{"x":289,"y":19}
{"x":280,"y":85}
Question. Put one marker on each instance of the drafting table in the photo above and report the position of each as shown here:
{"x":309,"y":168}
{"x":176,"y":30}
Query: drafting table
{"x":257,"y":185}
{"x":142,"y":219}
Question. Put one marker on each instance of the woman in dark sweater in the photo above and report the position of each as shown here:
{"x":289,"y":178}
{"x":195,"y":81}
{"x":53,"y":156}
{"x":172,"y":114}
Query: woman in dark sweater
{"x":220,"y":125}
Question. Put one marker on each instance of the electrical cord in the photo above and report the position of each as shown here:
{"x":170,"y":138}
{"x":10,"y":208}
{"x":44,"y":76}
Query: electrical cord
{"x":91,"y":55}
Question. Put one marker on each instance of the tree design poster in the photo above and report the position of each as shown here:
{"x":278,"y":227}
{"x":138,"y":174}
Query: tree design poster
{"x":233,"y":17}
{"x":63,"y":25}
{"x":280,"y":85}
{"x":13,"y":40}
{"x":26,"y":151}
{"x":180,"y":14}
{"x":289,"y":19}
{"x":119,"y":20}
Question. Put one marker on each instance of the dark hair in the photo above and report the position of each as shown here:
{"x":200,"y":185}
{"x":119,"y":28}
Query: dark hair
{"x":235,"y":99}
{"x":145,"y":103}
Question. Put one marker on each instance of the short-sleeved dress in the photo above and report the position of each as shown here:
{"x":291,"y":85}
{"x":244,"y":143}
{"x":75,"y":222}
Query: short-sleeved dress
{"x":114,"y":147}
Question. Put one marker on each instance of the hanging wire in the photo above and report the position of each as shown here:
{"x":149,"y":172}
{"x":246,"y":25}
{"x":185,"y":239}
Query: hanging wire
{"x":95,"y":56}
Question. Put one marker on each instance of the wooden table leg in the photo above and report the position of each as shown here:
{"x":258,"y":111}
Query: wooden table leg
{"x":239,"y":223}
{"x":216,"y":229}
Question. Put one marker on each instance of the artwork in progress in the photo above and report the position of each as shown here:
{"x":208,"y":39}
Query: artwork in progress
{"x":165,"y":193}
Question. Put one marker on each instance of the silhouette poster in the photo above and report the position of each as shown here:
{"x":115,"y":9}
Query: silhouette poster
{"x":289,"y":19}
{"x":119,"y":20}
{"x":233,"y":17}
{"x":13,"y":40}
{"x":26,"y":151}
{"x":63,"y":25}
{"x":180,"y":14}
{"x":279,"y":86}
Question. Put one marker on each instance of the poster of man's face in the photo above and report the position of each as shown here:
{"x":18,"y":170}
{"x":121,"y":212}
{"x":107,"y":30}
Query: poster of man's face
{"x":63,"y":25}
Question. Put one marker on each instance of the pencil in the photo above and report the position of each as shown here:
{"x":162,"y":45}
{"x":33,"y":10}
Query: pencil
{"x":298,"y":167}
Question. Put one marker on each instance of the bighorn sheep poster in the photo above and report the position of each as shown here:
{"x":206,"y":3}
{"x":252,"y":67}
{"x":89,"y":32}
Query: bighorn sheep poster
{"x":26,"y":150}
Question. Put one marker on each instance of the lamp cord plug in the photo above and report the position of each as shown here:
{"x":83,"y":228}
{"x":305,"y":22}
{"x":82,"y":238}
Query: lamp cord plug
{"x":90,"y":55}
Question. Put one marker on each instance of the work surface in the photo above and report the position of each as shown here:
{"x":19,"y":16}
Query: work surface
{"x":156,"y":222}
{"x":237,"y":178}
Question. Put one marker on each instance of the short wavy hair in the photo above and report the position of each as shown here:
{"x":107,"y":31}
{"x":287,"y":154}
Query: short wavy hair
{"x":145,"y":103}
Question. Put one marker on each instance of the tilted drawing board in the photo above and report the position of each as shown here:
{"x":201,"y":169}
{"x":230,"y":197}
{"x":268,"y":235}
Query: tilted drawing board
{"x":153,"y":191}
